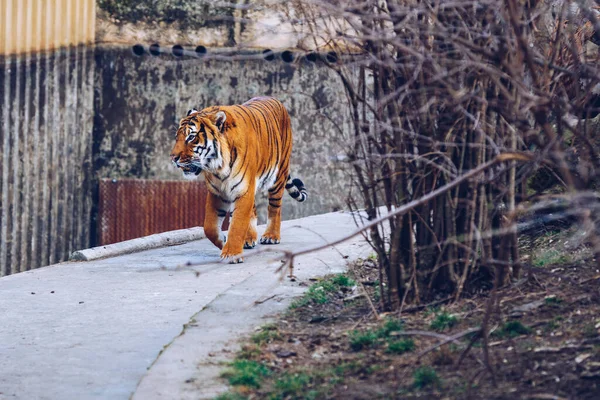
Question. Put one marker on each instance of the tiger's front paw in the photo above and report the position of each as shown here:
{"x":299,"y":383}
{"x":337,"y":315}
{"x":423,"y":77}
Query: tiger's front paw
{"x":232,"y":256}
{"x":269,"y":238}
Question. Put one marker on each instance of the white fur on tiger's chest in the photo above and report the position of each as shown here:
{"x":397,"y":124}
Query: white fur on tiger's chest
{"x":233,"y":187}
{"x":229,"y":189}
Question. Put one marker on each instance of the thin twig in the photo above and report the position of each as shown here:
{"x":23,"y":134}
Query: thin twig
{"x":452,"y":338}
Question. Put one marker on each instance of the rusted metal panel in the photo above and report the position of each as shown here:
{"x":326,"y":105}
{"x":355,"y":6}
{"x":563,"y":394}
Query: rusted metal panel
{"x":131,"y":208}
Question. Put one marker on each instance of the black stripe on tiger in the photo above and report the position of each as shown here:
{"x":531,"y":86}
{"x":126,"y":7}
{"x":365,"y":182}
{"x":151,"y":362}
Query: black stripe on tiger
{"x":296,"y":189}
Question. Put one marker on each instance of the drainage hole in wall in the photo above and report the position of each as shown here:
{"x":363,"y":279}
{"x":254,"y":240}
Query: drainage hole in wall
{"x":138,"y":50}
{"x":155,"y":49}
{"x":177,"y":50}
{"x":287,"y":56}
{"x":268,"y":55}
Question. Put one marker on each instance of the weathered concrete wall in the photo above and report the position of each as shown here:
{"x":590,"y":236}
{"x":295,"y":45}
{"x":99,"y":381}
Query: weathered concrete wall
{"x":46,"y":115}
{"x":141,"y":99}
{"x":259,"y":23}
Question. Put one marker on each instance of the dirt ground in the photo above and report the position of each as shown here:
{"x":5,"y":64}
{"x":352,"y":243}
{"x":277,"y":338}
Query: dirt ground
{"x":331,"y":344}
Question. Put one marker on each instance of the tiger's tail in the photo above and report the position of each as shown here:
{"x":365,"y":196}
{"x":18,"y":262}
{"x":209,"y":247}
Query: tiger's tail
{"x":296,"y":189}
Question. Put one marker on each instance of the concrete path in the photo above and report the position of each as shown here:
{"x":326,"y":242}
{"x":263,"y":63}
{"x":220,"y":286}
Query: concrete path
{"x":145,"y":325}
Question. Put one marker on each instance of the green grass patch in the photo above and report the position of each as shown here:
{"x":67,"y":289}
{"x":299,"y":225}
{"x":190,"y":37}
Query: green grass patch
{"x":551,"y":257}
{"x":292,"y":386}
{"x":512,"y":329}
{"x":425,"y":376}
{"x":371,"y":369}
{"x":443,"y":321}
{"x":376,"y":291}
{"x":320,"y":292}
{"x":553,"y":325}
{"x":361,"y":340}
{"x":231,"y":396}
{"x":400,"y":346}
{"x":431,"y":310}
{"x":248,"y":352}
{"x":553,"y":301}
{"x":390,"y":325}
{"x":246,"y":373}
{"x":267,"y":334}
{"x":346,"y":368}
{"x":337,"y":374}
{"x":589,"y":331}
{"x":342,"y":280}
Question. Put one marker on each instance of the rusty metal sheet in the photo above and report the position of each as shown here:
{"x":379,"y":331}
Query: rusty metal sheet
{"x":131,"y":208}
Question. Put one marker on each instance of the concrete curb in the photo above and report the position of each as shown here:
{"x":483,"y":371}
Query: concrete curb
{"x":170,"y":238}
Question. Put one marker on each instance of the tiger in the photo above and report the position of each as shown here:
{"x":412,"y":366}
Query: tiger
{"x":239,"y":149}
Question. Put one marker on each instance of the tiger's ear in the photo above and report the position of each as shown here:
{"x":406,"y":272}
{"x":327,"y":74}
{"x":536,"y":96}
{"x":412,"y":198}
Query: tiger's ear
{"x":220,"y":119}
{"x":193,"y":110}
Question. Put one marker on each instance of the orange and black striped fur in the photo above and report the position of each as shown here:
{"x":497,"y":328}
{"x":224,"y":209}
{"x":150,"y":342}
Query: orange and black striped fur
{"x":239,"y":149}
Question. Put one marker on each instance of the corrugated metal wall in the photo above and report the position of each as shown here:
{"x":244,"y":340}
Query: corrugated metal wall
{"x":131,"y":208}
{"x":36,"y":25}
{"x":46,"y":115}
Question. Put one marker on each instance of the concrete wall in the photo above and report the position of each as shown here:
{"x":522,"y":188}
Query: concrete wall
{"x":141,"y":100}
{"x":257,"y":23}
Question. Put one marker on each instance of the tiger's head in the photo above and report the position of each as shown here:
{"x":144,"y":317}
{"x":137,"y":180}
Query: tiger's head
{"x":199,"y":142}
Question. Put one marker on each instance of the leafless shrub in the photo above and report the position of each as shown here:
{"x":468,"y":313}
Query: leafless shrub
{"x":441,"y":88}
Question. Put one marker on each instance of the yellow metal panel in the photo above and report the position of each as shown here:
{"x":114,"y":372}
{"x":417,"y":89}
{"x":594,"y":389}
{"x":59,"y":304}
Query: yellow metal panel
{"x":49,"y":16}
{"x":39,"y":26}
{"x":67,"y":14}
{"x":18,"y":26}
{"x":28,"y":26}
{"x":8,"y":27}
{"x":18,"y":30}
{"x":36,"y":25}
{"x":76,"y":31}
{"x":56,"y":37}
{"x":85,"y":9}
{"x":90,"y":21}
{"x":61,"y":24}
{"x":2,"y":26}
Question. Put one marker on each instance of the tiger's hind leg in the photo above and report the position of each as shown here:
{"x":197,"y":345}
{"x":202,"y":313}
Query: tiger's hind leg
{"x":272,"y":234}
{"x":252,"y":235}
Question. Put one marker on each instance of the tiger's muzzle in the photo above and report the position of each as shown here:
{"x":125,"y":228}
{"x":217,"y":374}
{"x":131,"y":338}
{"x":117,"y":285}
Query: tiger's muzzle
{"x":191,"y":169}
{"x":188,"y":168}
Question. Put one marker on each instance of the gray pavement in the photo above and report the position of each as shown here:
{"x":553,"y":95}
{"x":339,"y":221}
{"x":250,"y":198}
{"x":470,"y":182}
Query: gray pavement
{"x":145,"y":325}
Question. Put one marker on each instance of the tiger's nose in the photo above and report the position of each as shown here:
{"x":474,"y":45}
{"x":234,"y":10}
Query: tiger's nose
{"x":175,"y":158}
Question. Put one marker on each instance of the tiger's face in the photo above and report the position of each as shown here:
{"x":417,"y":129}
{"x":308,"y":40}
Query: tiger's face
{"x":197,"y":145}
